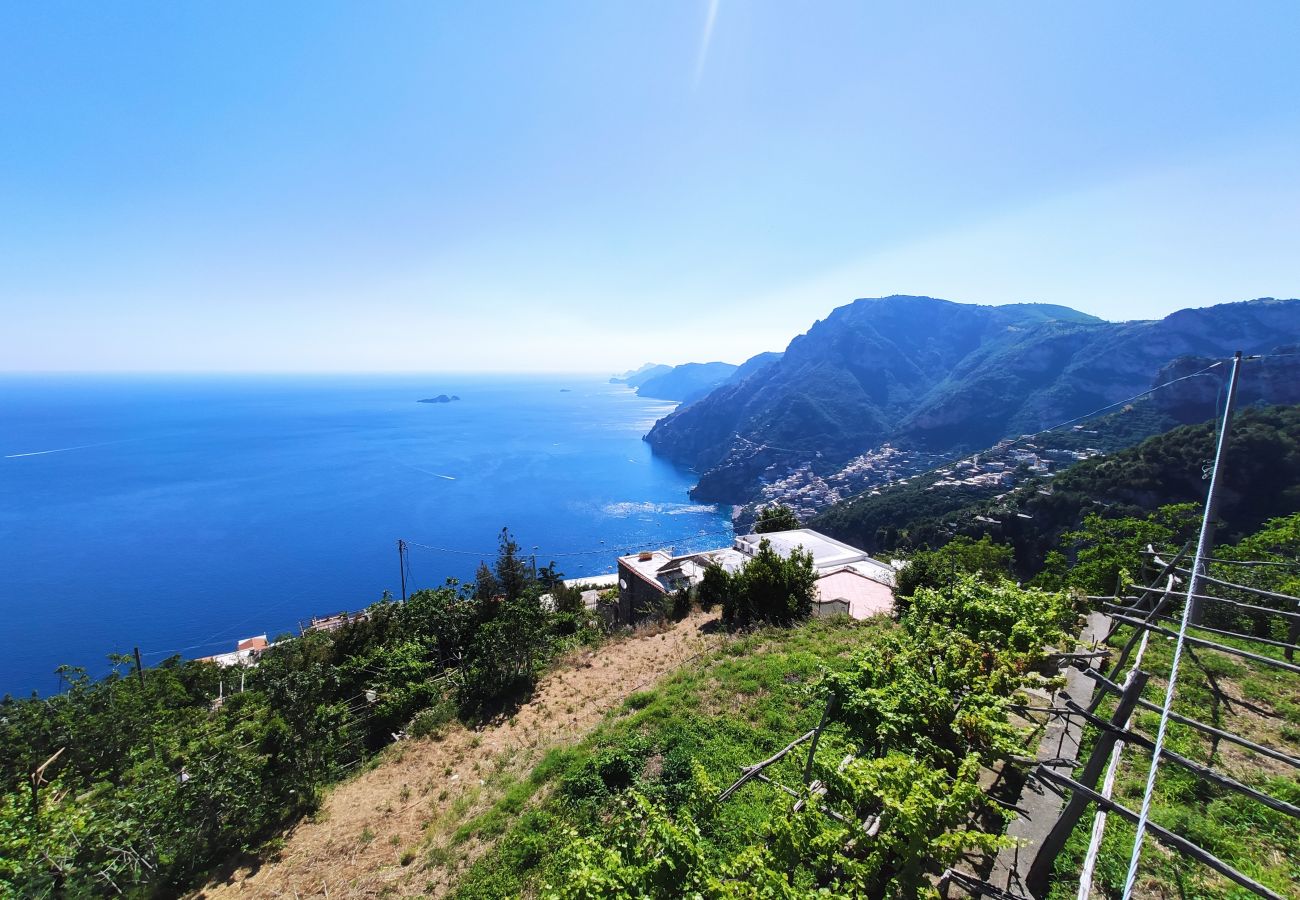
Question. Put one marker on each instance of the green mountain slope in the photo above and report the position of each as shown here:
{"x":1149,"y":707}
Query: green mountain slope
{"x":940,"y":376}
{"x":1261,"y":480}
{"x":687,"y":382}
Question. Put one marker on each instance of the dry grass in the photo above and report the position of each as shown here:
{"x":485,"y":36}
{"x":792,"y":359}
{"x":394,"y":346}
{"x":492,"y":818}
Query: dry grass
{"x":370,"y":830}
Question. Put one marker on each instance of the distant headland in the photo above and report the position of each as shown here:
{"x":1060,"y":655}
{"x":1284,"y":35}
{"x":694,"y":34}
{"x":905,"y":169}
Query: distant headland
{"x":441,"y":398}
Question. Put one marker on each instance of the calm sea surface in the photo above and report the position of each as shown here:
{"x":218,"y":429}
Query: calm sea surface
{"x":180,"y":514}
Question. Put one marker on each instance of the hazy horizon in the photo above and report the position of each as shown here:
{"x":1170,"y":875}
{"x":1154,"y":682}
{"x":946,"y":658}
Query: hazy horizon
{"x":666,"y":358}
{"x":393,"y":188}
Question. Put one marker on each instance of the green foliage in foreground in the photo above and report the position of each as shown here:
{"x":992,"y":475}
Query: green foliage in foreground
{"x":645,"y":852}
{"x":151,"y":784}
{"x":917,"y":710}
{"x":730,"y":708}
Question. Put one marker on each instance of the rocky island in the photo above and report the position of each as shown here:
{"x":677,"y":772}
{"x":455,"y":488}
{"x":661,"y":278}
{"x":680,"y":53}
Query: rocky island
{"x":441,"y":398}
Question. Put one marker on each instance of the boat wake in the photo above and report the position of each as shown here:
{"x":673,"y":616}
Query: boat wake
{"x":55,"y":450}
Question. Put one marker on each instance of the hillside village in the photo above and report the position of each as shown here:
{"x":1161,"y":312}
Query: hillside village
{"x":1005,"y":465}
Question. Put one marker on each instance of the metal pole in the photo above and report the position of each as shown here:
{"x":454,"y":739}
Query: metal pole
{"x":1190,"y":607}
{"x":1206,"y":542}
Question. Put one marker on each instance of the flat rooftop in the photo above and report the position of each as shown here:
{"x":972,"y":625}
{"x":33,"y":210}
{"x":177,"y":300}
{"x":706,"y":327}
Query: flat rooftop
{"x":648,"y":568}
{"x":826,"y":551}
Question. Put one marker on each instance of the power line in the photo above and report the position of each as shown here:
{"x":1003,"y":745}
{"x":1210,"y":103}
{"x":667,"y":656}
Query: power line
{"x":1139,"y":396}
{"x":222,"y":634}
{"x":1198,"y":570}
{"x":571,"y":553}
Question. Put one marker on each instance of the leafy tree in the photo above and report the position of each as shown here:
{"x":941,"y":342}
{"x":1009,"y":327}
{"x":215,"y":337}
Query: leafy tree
{"x":442,"y":616}
{"x":486,"y":586}
{"x":681,"y":603}
{"x":511,"y":569}
{"x":939,"y":568}
{"x":771,"y":588}
{"x":940,"y":686}
{"x":568,"y":598}
{"x":549,"y":576}
{"x":715,"y":587}
{"x":1107,"y":552}
{"x":502,"y":658}
{"x":777,"y":517}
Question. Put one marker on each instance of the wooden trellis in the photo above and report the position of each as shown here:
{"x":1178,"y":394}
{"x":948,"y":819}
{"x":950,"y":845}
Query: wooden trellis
{"x":1143,"y":607}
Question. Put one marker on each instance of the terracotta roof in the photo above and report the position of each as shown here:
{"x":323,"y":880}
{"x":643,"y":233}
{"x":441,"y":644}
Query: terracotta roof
{"x":253,"y":643}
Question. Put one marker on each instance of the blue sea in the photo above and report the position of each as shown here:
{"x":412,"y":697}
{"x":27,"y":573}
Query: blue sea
{"x":180,"y":514}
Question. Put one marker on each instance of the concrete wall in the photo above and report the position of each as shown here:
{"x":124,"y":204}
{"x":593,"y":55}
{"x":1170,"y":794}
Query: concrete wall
{"x":826,"y":608}
{"x":638,"y":598}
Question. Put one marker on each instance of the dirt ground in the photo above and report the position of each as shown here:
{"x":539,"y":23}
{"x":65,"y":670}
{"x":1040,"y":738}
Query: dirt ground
{"x":373,"y":834}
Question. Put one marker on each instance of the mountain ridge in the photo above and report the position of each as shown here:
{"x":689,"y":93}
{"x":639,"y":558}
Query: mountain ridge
{"x":687,"y":382}
{"x":942,"y":376}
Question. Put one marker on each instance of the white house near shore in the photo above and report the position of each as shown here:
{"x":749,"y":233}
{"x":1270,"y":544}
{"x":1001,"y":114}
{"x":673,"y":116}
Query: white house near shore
{"x":246,"y":653}
{"x":848,"y":580}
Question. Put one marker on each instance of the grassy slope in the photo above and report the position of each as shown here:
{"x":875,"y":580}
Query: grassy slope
{"x":1258,"y":841}
{"x":732,"y":707}
{"x":739,"y":704}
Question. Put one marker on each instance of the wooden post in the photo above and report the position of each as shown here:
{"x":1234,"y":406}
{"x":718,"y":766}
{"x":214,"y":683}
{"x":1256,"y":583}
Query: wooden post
{"x":1293,"y":636}
{"x":38,"y":779}
{"x":1041,"y":870}
{"x":812,"y":749}
{"x":139,"y":671}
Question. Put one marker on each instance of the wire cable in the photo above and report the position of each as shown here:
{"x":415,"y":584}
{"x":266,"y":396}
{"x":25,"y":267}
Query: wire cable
{"x":1198,"y":565}
{"x":541,"y":555}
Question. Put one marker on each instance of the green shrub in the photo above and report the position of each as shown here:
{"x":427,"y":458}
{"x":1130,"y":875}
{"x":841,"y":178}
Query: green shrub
{"x":770,"y":589}
{"x":430,"y":721}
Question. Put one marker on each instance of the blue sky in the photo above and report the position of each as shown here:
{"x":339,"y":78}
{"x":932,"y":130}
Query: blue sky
{"x":326,"y":186}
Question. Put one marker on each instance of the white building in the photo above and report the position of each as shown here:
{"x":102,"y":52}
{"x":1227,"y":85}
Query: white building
{"x":246,"y":653}
{"x":848,"y":579}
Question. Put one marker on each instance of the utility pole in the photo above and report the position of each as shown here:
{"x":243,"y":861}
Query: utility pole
{"x":1191,"y":615}
{"x":401,"y":565}
{"x":139,"y":671}
{"x":1206,"y":541}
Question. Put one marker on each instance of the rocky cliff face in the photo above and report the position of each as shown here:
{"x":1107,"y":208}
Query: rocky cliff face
{"x":1270,"y":380}
{"x":927,"y":373}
